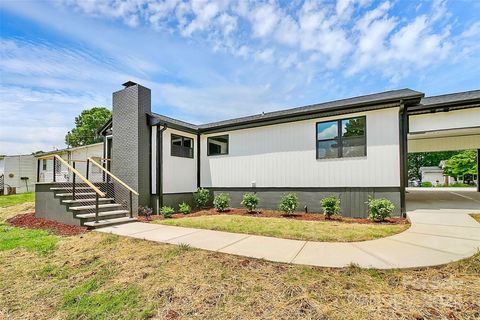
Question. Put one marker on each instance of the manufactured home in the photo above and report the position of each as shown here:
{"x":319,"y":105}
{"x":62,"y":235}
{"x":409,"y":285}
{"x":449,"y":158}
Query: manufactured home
{"x":353,"y":148}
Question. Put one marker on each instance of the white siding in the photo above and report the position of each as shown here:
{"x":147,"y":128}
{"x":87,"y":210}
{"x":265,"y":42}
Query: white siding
{"x":284,"y":155}
{"x":79,"y":153}
{"x":20,"y":166}
{"x":444,"y":144}
{"x":179,"y":174}
{"x":445,"y":120}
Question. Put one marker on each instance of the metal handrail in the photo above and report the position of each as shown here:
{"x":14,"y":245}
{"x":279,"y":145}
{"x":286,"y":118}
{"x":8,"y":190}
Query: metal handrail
{"x":113,"y":176}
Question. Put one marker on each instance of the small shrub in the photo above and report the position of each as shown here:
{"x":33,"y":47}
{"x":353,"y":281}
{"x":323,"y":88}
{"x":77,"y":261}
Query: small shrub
{"x":167,"y":212}
{"x":145,"y":211}
{"x":184,"y":208}
{"x":249,"y":201}
{"x":201,"y":197}
{"x":221,"y":202}
{"x":289,"y":203}
{"x":330,"y":206}
{"x":379,"y":209}
{"x":426,"y":184}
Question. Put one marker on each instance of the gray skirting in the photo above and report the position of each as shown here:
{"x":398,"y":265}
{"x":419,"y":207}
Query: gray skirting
{"x":353,"y":200}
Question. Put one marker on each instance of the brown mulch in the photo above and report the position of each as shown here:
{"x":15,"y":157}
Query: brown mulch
{"x":28,"y":220}
{"x":276,"y":214}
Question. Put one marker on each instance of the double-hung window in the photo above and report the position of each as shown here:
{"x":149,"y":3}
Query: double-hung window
{"x":182,"y":146}
{"x":342,"y":138}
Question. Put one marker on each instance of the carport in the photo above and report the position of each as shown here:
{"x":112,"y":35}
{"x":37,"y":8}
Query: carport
{"x":444,"y":123}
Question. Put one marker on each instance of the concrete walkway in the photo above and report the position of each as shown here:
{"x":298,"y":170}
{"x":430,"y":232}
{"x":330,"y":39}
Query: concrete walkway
{"x":437,"y":236}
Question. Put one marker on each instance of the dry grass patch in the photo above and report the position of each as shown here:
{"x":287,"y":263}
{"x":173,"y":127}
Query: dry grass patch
{"x":101,"y":276}
{"x":290,"y":229}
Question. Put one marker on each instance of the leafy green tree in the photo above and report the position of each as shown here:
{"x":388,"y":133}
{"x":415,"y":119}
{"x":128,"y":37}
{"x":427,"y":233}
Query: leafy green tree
{"x":463,"y":164}
{"x":426,"y":159}
{"x":87,"y":125}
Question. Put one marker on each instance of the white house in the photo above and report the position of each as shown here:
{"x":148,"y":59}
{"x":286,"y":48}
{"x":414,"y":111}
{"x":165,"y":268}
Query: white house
{"x":353,"y":148}
{"x":23,"y":171}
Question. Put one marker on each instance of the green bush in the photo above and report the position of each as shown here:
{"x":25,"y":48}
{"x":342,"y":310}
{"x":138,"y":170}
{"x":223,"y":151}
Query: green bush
{"x":167,"y":212}
{"x":250,"y":201}
{"x":184,"y":208}
{"x":426,"y":184}
{"x":201,"y":197}
{"x":330,"y":206}
{"x":379,"y":209}
{"x":221,"y":202}
{"x":289,"y":203}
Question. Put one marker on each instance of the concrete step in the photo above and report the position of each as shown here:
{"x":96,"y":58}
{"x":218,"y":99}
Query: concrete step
{"x":105,"y":214}
{"x":92,"y":207}
{"x":69,"y":201}
{"x":82,"y":194}
{"x":109,"y":222}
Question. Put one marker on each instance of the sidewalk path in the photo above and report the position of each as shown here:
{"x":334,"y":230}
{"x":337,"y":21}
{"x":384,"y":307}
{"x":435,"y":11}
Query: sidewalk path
{"x":435,"y":237}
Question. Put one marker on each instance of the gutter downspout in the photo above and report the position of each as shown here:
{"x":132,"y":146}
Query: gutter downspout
{"x":160,"y":165}
{"x":403,"y":130}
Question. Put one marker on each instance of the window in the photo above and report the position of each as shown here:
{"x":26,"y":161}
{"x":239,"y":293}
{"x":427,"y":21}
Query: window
{"x":182,"y":146}
{"x":342,"y":138}
{"x":44,"y":164}
{"x":217,"y":145}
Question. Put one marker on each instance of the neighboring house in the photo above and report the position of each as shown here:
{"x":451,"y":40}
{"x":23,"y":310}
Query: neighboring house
{"x":435,"y":175}
{"x":78,"y":153}
{"x":21,"y":170}
{"x":20,"y":173}
{"x":353,"y":148}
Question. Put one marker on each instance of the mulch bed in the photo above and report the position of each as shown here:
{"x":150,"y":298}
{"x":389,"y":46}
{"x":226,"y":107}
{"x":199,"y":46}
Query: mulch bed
{"x":28,"y":220}
{"x":277,"y":214}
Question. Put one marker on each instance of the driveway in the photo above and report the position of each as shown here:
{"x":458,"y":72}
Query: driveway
{"x":442,"y":231}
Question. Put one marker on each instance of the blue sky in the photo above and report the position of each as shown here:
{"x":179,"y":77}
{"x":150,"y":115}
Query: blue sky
{"x":214,"y":60}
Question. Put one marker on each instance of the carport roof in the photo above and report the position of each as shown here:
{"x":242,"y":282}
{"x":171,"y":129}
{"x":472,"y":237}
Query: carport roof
{"x":464,"y":99}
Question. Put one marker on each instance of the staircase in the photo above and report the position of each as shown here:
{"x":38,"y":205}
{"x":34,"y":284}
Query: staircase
{"x":98,"y":199}
{"x":84,"y":206}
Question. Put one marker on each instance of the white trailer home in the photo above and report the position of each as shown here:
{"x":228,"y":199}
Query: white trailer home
{"x":19,"y":173}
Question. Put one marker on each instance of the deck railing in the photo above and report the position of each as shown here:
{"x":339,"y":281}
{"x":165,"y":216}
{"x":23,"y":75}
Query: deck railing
{"x":83,"y":179}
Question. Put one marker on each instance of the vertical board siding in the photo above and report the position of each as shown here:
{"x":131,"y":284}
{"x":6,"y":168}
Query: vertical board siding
{"x":284,"y":155}
{"x":179,"y":174}
{"x":464,"y":118}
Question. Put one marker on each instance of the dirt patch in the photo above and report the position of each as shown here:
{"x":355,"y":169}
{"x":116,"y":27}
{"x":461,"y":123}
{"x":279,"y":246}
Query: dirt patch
{"x":28,"y":220}
{"x":277,"y":214}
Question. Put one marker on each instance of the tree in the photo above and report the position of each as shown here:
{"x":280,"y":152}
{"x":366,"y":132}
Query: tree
{"x":463,"y":164}
{"x":87,"y":125}
{"x":425,"y":159}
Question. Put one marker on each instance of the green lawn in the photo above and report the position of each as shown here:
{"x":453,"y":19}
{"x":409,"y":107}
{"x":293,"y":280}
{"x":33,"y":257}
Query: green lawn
{"x":290,"y":229}
{"x":14,"y":199}
{"x":29,"y":239}
{"x":103,"y":276}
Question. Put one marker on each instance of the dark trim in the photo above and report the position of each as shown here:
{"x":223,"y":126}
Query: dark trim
{"x":340,"y":138}
{"x":291,"y":118}
{"x":478,"y":170}
{"x":160,"y":165}
{"x":420,"y":109}
{"x":154,"y":120}
{"x":175,"y":193}
{"x":403,"y":152}
{"x":198,"y":162}
{"x":105,"y":127}
{"x":218,"y":154}
{"x":38,"y":170}
{"x":311,"y":189}
{"x":443,"y":130}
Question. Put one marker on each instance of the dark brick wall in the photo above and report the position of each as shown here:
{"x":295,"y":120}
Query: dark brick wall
{"x":131,"y":137}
